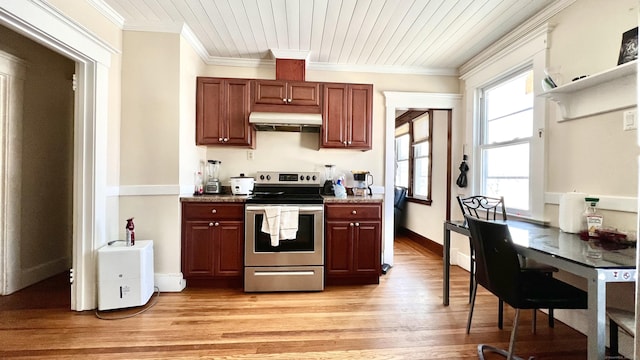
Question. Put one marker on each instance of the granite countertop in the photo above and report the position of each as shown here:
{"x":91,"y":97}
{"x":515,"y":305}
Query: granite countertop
{"x":377,"y":198}
{"x":214,"y":198}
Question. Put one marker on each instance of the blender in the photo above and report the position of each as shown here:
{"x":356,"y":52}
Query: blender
{"x":327,"y":188}
{"x":212,"y":185}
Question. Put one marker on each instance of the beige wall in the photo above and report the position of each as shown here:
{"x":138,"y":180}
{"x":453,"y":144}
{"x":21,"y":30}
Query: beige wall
{"x":149,"y":147}
{"x":47,"y":159}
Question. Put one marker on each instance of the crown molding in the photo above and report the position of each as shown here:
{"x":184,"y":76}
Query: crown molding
{"x":108,"y":12}
{"x":519,"y":34}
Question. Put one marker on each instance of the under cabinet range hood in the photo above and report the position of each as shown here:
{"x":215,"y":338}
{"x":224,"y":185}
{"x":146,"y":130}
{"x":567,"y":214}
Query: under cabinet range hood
{"x":291,"y":122}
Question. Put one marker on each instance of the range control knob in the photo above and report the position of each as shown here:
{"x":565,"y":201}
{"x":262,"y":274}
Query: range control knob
{"x":301,"y":177}
{"x":268,"y":177}
{"x":308,"y":177}
{"x":261,"y":177}
{"x":314,"y":178}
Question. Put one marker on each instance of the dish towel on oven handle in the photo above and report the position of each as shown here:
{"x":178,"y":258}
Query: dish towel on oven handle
{"x":280,"y":222}
{"x":288,"y":222}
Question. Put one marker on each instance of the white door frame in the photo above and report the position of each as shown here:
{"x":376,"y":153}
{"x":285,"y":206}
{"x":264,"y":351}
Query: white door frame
{"x":407,"y":100}
{"x":12,"y":76}
{"x":45,"y":25}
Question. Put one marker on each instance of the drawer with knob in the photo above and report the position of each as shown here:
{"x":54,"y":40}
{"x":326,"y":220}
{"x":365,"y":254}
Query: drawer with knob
{"x":353,"y":211}
{"x":213,"y":211}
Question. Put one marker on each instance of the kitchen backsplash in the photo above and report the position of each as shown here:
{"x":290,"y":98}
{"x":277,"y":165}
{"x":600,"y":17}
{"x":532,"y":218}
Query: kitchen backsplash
{"x":284,"y":151}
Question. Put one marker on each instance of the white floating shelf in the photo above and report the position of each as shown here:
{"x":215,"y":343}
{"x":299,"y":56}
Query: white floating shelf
{"x":610,"y":90}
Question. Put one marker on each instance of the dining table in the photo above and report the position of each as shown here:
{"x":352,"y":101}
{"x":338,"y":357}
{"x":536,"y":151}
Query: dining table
{"x":599,"y":262}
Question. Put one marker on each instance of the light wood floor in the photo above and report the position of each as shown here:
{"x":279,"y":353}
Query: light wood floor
{"x":402,"y":318}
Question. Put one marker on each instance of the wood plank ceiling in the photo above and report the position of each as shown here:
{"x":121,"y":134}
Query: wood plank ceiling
{"x":414,"y":35}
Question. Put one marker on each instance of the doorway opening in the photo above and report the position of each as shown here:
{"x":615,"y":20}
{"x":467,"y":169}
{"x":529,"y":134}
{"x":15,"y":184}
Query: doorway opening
{"x":91,"y":58}
{"x":410,"y":100}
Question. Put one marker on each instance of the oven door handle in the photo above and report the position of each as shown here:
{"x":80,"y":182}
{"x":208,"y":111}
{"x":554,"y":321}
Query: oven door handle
{"x":300,"y":208}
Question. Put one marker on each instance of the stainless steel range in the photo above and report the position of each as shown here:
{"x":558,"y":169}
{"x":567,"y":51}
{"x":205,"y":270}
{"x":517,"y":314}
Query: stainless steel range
{"x":284,"y":233}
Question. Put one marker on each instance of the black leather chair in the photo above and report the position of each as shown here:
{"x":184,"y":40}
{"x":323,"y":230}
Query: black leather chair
{"x":498,"y":270}
{"x":491,"y":208}
{"x":399,"y":199}
{"x":480,"y":206}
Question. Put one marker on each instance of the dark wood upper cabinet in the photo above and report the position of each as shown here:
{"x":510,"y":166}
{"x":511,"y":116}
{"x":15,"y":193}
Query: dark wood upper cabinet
{"x":222,"y":112}
{"x":346,"y":114}
{"x":286,"y":96}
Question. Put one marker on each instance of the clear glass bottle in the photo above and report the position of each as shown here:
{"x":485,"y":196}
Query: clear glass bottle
{"x":592,"y":218}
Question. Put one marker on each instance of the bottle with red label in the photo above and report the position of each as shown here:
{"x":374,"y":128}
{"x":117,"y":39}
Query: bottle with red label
{"x":131,"y":235}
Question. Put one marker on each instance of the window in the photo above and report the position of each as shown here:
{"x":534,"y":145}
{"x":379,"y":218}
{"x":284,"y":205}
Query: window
{"x":402,"y":155}
{"x":414,"y":130}
{"x":506,"y":131}
{"x":508,"y":153}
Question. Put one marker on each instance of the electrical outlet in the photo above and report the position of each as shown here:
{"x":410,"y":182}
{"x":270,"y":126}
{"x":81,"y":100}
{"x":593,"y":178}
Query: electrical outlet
{"x":629,"y":120}
{"x":249,"y":154}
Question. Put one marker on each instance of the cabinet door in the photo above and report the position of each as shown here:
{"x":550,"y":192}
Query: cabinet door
{"x":339,"y":248}
{"x":230,"y":248}
{"x":198,"y":249}
{"x":271,"y":92}
{"x":359,"y":115}
{"x":238,"y":100}
{"x":222,"y":112}
{"x":367,"y":238}
{"x":210,"y":110}
{"x":303,"y":93}
{"x":283,"y":96}
{"x":334,"y":116}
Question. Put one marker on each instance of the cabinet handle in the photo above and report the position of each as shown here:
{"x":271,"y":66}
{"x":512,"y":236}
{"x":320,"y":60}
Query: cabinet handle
{"x":284,"y":100}
{"x":210,"y":224}
{"x":349,"y":142}
{"x":220,"y":139}
{"x":217,"y":223}
{"x":214,"y":211}
{"x":344,"y":143}
{"x":289,"y":101}
{"x":350,"y":224}
{"x":226,"y":139}
{"x":353,"y":212}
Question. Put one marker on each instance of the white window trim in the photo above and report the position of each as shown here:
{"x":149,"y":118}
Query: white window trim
{"x":531,"y":49}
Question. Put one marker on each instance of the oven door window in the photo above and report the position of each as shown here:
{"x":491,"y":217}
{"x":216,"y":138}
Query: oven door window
{"x":302,"y":242}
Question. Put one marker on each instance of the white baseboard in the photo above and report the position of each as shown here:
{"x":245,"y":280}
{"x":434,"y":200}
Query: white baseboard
{"x":169,"y":282}
{"x":39,"y":272}
{"x":463,"y":261}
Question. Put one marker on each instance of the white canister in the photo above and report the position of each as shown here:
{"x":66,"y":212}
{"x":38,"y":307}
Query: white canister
{"x":570,"y":212}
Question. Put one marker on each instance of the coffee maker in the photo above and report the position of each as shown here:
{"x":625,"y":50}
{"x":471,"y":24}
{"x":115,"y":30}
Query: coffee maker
{"x":212,"y":184}
{"x":327,"y":188}
{"x":361,"y":179}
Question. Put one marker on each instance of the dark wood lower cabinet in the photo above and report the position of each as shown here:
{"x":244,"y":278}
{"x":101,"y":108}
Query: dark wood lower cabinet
{"x":353,"y":242}
{"x":213,"y":241}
